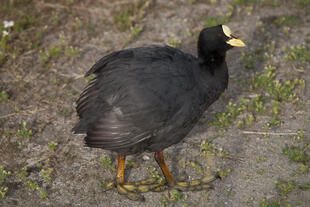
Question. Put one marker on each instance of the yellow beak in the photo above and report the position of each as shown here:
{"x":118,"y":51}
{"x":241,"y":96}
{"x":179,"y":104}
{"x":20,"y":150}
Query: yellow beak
{"x":236,"y":42}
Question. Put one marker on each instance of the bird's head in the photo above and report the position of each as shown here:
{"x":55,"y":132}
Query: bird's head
{"x":216,"y":41}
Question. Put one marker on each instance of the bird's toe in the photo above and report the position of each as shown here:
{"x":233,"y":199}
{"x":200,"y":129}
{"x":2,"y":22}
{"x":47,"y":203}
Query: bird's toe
{"x":196,"y":185}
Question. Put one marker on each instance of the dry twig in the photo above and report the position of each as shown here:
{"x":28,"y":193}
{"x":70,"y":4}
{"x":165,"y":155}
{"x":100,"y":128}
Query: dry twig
{"x":273,"y":133}
{"x":26,"y":112}
{"x":45,"y":157}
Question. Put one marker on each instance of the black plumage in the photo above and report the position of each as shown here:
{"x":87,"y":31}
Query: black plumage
{"x":146,"y":98}
{"x":149,"y":98}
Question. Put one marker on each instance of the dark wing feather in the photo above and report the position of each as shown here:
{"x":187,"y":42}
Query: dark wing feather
{"x":114,"y":56}
{"x":135,"y":93}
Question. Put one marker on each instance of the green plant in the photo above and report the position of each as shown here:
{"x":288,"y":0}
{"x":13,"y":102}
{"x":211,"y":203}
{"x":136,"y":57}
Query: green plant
{"x":3,"y":44}
{"x":164,"y":201}
{"x":261,"y":159}
{"x":280,"y":91}
{"x":47,"y":174}
{"x":21,"y":174}
{"x":3,"y":175}
{"x":34,"y":186}
{"x":272,"y":3}
{"x":53,"y":146}
{"x":24,"y":23}
{"x":24,"y":132}
{"x":264,"y":203}
{"x":154,"y":173}
{"x":248,"y":60}
{"x":287,"y":20}
{"x":213,"y":21}
{"x":106,"y":161}
{"x":229,"y":192}
{"x":305,"y":186}
{"x":3,"y":191}
{"x":285,"y":187}
{"x":300,"y":136}
{"x":223,"y":173}
{"x":250,"y":201}
{"x":3,"y":96}
{"x":249,"y":119}
{"x":122,"y":20}
{"x":296,"y":155}
{"x":303,"y":4}
{"x":172,"y":197}
{"x":263,"y":79}
{"x":175,"y":195}
{"x":134,"y":32}
{"x":44,"y":56}
{"x":298,"y":54}
{"x":242,"y":2}
{"x":72,"y":52}
{"x":66,"y":112}
{"x":131,"y":14}
{"x":173,"y":42}
{"x":131,"y":164}
{"x":224,"y":119}
{"x":260,"y":171}
{"x":303,"y":169}
{"x":196,"y":166}
{"x":256,"y":105}
{"x":248,"y":177}
{"x":274,"y":121}
{"x":208,"y":148}
{"x":54,"y":51}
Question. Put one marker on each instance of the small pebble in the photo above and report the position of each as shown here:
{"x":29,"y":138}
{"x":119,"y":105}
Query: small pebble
{"x":145,"y":157}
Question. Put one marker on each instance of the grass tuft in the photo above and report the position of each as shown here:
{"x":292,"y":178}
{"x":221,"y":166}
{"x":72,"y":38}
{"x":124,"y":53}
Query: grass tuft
{"x":122,"y":20}
{"x":24,"y":131}
{"x":34,"y":186}
{"x":174,"y":42}
{"x":296,"y":155}
{"x":285,"y":187}
{"x":3,"y":175}
{"x":3,"y":96}
{"x":288,"y":21}
{"x":298,"y":54}
{"x":264,"y":203}
{"x":303,"y":4}
{"x":106,"y":161}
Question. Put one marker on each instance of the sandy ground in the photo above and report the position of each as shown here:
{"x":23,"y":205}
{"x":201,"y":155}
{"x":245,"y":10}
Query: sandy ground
{"x":53,"y":43}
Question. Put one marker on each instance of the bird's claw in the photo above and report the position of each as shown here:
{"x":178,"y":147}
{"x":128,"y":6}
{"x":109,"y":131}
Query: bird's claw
{"x":133,"y":190}
{"x":196,"y":185}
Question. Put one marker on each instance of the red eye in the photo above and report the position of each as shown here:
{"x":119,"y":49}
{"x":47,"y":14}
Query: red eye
{"x":219,"y":35}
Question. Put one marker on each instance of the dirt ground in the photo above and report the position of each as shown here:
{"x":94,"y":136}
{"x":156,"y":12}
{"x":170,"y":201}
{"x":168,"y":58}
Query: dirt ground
{"x":257,"y":135}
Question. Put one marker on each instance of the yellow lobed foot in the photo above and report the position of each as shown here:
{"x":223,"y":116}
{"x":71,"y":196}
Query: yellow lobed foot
{"x":133,"y":190}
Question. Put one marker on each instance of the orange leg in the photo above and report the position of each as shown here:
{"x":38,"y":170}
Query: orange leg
{"x":133,"y":190}
{"x":120,"y":169}
{"x":159,"y":157}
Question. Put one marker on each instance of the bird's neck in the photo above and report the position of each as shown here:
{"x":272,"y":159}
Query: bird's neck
{"x":213,"y":77}
{"x":210,"y":57}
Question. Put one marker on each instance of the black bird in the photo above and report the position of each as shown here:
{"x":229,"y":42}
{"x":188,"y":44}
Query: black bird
{"x":149,"y":98}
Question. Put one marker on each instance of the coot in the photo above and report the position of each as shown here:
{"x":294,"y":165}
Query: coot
{"x":149,"y":98}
